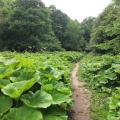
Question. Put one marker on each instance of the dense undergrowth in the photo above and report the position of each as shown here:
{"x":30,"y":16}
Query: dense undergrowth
{"x":102,"y":75}
{"x":36,"y":86}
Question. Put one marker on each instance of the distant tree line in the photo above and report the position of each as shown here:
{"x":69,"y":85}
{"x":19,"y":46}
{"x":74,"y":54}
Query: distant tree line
{"x":28,"y":25}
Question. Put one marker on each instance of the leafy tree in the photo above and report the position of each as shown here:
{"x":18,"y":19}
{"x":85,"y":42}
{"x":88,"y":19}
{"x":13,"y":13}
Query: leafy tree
{"x":29,"y":27}
{"x":59,"y":23}
{"x":5,"y":7}
{"x":105,"y":35}
{"x":116,"y":1}
{"x":73,"y":38}
{"x":86,"y":28}
{"x":72,"y":35}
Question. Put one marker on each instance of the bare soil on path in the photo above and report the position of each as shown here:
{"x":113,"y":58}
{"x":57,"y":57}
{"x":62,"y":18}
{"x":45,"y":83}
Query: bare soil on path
{"x":81,"y":97}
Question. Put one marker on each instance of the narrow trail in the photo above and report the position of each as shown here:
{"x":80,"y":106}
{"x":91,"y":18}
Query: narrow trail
{"x":81,"y":96}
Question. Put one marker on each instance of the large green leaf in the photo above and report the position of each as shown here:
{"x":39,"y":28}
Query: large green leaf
{"x":14,"y":90}
{"x":2,"y":69}
{"x":59,"y":97}
{"x":10,"y":62}
{"x":40,"y":99}
{"x":23,"y":74}
{"x":23,"y":113}
{"x":5,"y":104}
{"x":4,"y":82}
{"x":55,"y":114}
{"x":5,"y":72}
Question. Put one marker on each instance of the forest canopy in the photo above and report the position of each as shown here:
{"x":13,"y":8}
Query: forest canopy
{"x":28,"y":25}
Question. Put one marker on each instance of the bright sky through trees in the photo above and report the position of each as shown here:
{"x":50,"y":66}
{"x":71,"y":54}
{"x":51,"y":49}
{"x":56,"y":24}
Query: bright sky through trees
{"x":79,"y":9}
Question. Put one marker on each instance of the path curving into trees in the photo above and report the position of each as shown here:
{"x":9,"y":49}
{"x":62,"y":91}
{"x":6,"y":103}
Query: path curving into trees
{"x":81,"y":97}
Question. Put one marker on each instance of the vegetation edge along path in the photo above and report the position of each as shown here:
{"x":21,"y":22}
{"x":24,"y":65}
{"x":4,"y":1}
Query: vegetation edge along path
{"x":81,"y":97}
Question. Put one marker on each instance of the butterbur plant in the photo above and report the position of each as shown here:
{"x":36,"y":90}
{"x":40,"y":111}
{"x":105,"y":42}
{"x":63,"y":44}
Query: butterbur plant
{"x":33,"y":88}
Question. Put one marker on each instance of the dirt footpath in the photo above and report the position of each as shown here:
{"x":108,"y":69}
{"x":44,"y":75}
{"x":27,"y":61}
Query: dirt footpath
{"x":81,"y":96}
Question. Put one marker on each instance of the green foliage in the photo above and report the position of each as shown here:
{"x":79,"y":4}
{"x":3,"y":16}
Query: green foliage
{"x":86,"y":29}
{"x":105,"y":34}
{"x":18,"y":89}
{"x":5,"y":104}
{"x":37,"y":83}
{"x":55,"y":114}
{"x":99,"y":106}
{"x":69,"y":32}
{"x":111,"y":47}
{"x":117,"y":2}
{"x":59,"y":23}
{"x":60,"y":97}
{"x":102,"y":74}
{"x":72,"y":56}
{"x":5,"y":8}
{"x":3,"y":83}
{"x":23,"y":112}
{"x":40,"y":99}
{"x":72,"y":38}
{"x":114,"y":105}
{"x":29,"y":27}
